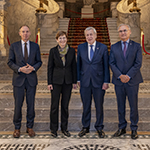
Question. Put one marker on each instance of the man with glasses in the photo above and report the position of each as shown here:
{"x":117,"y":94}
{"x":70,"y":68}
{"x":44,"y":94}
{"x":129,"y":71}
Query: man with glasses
{"x":125,"y":62}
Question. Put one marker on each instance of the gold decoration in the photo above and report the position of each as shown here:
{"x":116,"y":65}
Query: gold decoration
{"x":41,"y":9}
{"x":135,"y":8}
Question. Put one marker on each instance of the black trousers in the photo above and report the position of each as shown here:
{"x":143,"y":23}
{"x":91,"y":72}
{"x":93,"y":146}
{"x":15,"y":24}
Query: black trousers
{"x":19,"y":93}
{"x":63,"y":91}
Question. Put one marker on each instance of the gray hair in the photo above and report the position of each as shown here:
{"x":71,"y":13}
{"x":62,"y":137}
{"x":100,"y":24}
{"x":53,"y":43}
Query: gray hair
{"x":24,"y":26}
{"x":123,"y":25}
{"x":90,"y":28}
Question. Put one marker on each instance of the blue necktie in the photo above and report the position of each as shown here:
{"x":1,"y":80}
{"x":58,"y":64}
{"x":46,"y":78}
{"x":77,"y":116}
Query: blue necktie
{"x":91,"y":52}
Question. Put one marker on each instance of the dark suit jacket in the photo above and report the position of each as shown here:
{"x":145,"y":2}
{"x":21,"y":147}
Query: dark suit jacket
{"x":96,"y":70}
{"x":130,"y":65}
{"x":16,"y":60}
{"x":57,"y":73}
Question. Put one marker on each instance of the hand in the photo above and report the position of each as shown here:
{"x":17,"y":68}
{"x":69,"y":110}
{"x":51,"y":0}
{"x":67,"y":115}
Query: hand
{"x":50,"y":87}
{"x":78,"y":83}
{"x":124,"y":78}
{"x":26,"y":69}
{"x":29,"y":68}
{"x":105,"y":86}
{"x":74,"y":86}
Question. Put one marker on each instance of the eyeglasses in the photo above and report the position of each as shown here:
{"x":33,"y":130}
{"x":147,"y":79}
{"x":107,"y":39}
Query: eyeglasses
{"x":125,"y":30}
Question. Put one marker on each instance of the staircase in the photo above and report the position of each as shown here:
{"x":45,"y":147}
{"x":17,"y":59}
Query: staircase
{"x":112,"y":28}
{"x":76,"y":31}
{"x":42,"y":102}
{"x":42,"y":111}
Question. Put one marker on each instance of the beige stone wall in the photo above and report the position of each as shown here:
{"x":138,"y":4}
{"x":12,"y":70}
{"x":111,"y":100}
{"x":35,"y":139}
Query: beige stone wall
{"x":144,"y":5}
{"x":20,"y":13}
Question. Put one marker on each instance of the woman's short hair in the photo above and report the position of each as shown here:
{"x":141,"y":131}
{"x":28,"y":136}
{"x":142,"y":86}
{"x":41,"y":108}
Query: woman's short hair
{"x":60,"y":33}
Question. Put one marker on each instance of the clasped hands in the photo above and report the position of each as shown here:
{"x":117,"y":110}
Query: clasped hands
{"x":124,"y":78}
{"x":26,"y":69}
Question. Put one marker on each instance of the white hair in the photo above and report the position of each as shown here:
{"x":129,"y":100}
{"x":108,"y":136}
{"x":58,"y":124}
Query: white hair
{"x":123,"y":25}
{"x":90,"y":28}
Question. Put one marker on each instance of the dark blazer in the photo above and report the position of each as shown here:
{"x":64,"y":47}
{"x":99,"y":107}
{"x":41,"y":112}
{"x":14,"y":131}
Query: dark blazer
{"x":97,"y":70}
{"x":16,"y":60}
{"x":57,"y":73}
{"x":130,"y":65}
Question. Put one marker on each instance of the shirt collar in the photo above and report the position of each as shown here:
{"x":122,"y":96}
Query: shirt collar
{"x":92,"y":44}
{"x":125,"y":41}
{"x":24,"y":42}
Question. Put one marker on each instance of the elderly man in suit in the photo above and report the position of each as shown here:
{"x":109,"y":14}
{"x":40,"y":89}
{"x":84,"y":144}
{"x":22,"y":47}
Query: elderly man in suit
{"x":125,"y":62}
{"x":93,"y":78}
{"x":24,"y":59}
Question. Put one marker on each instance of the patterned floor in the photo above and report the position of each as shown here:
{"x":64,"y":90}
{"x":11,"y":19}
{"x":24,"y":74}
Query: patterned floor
{"x":89,"y":142}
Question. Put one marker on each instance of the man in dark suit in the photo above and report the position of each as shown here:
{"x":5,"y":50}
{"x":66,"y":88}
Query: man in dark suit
{"x":93,"y":78}
{"x":24,"y":59}
{"x":125,"y":62}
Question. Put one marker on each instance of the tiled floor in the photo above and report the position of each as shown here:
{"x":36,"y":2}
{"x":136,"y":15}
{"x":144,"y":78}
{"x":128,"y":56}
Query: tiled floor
{"x":43,"y":141}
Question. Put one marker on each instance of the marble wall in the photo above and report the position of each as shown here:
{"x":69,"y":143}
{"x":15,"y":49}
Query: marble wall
{"x":23,"y":12}
{"x":20,"y":13}
{"x":144,"y":5}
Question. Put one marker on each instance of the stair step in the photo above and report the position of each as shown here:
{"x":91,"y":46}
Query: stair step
{"x":42,"y":108}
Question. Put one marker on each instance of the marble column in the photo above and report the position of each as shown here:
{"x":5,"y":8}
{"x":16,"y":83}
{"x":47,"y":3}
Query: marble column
{"x":47,"y":23}
{"x":2,"y":33}
{"x":61,"y":10}
{"x":133,"y":20}
{"x":113,"y":9}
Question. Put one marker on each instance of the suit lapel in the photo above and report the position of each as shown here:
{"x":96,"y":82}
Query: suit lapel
{"x":30,"y":51}
{"x":86,"y":51}
{"x":68,"y":56}
{"x":20,"y":50}
{"x":58,"y":55}
{"x":129,"y":48}
{"x":120,"y":50}
{"x":97,"y":48}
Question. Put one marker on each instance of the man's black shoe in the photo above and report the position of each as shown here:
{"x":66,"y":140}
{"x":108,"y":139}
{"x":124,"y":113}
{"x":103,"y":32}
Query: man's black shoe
{"x":54,"y":134}
{"x":119,"y":132}
{"x":134,"y":134}
{"x":101,"y":133}
{"x":83,"y":132}
{"x":66,"y":133}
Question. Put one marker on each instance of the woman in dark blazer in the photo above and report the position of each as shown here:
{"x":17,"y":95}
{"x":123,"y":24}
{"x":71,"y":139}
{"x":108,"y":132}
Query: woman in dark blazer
{"x":62,"y":74}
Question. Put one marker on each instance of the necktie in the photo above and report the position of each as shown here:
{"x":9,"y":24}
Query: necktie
{"x":25,"y":52}
{"x":124,"y":49}
{"x":91,"y":52}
